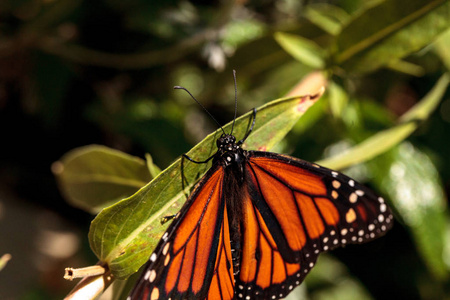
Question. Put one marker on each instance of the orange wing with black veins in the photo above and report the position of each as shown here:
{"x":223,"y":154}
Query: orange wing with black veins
{"x":190,"y":261}
{"x":294,"y":210}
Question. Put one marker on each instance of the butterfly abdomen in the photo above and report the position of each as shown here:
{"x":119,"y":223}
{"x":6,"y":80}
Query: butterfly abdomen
{"x":233,"y":159}
{"x":235,"y":251}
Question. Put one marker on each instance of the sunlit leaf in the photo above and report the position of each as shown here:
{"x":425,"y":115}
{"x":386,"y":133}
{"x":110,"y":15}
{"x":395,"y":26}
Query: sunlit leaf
{"x":406,"y":68}
{"x":329,"y":17}
{"x":384,"y":140}
{"x":125,"y":234}
{"x":442,"y":45}
{"x":303,"y":50}
{"x":338,"y":98}
{"x":94,"y":176}
{"x":389,"y":31}
{"x":241,"y":32}
{"x":411,"y":181}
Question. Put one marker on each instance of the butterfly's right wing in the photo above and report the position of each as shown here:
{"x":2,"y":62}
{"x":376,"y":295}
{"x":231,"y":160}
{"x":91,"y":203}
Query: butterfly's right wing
{"x":294,"y":210}
{"x":190,"y":261}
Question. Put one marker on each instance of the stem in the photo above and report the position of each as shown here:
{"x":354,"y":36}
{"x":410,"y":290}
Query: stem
{"x":89,"y":288}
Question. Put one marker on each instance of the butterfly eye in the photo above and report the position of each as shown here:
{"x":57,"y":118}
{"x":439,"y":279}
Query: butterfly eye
{"x":220,"y":142}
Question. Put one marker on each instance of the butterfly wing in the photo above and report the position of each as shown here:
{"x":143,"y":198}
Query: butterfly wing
{"x":190,"y":261}
{"x":293,"y":210}
{"x":297,"y":210}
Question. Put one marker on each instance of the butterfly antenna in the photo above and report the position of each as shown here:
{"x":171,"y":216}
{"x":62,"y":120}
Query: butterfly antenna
{"x":235,"y":101}
{"x":177,"y":87}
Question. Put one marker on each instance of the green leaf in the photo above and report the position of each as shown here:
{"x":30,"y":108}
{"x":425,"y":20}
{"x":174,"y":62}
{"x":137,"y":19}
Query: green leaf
{"x":389,"y":31}
{"x":442,"y":45}
{"x":384,"y":140}
{"x":119,"y":289}
{"x":326,"y":16}
{"x":125,"y":234}
{"x":330,"y":279}
{"x":406,"y":68}
{"x":338,"y":98}
{"x":303,"y":50}
{"x":311,"y":117}
{"x":412,"y":183}
{"x":94,"y":176}
{"x":422,"y":110}
{"x":152,"y":168}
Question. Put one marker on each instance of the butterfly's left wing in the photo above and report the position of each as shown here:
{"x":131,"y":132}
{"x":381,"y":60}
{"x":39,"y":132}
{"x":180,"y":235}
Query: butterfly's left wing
{"x":192,"y":259}
{"x":295,"y":210}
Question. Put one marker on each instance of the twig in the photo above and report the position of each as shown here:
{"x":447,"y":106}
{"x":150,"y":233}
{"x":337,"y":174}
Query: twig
{"x":89,"y":288}
{"x":4,"y":260}
{"x":71,"y":273}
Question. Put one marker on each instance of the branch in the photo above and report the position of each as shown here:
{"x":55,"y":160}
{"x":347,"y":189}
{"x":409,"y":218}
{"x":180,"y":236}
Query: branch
{"x":90,"y":287}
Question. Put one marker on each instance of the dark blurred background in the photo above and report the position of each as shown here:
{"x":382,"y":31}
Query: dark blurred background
{"x":76,"y":72}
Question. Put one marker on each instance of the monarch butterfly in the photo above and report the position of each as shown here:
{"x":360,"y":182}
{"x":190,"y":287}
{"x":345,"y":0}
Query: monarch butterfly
{"x":255,"y":224}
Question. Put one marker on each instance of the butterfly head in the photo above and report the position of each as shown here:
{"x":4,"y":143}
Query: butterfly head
{"x":228,"y":151}
{"x":227,"y":142}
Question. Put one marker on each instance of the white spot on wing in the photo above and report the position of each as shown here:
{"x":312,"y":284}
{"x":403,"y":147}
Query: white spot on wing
{"x":147,"y":275}
{"x":153,"y":257}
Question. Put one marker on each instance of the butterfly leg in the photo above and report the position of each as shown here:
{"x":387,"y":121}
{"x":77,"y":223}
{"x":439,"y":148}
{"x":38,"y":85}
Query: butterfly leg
{"x":197,"y":162}
{"x":166,"y":219}
{"x":250,"y":130}
{"x":183,"y":178}
{"x":183,"y":157}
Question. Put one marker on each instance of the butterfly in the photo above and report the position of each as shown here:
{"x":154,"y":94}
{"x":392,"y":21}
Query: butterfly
{"x":255,"y":224}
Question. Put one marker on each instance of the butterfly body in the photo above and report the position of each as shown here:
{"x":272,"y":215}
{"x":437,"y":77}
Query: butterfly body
{"x":254,"y":226}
